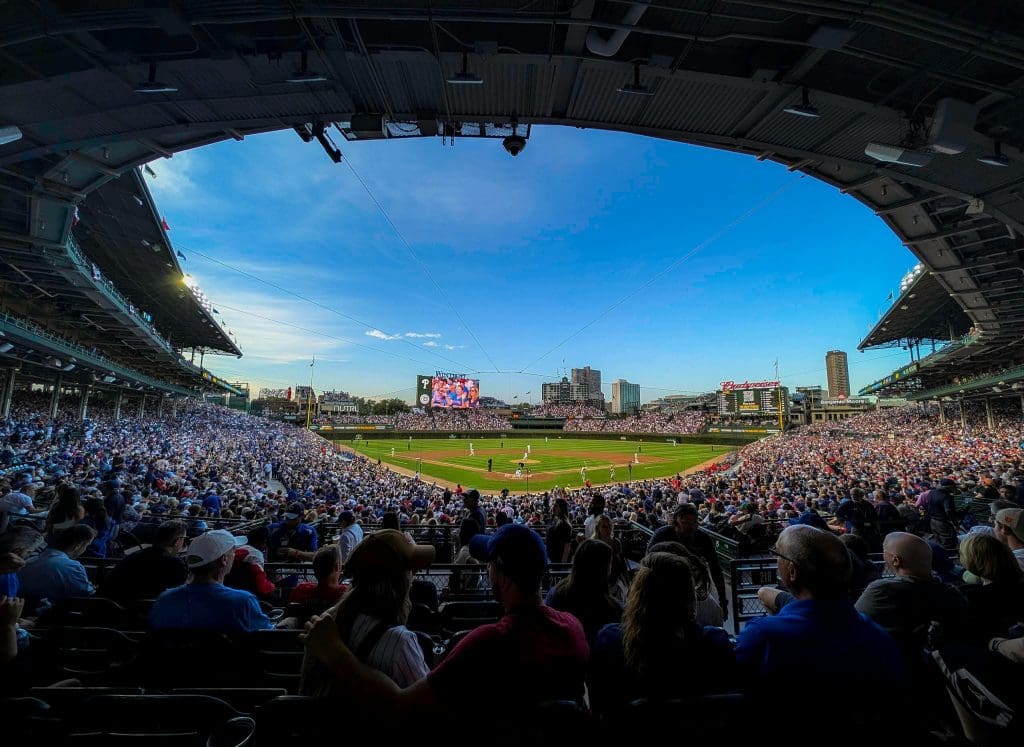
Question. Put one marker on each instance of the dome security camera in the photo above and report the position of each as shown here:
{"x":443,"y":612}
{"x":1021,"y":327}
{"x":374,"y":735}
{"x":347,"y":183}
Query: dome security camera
{"x":514,"y":144}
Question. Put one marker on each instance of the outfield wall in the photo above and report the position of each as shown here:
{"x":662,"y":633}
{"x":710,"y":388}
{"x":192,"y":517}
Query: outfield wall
{"x":723,"y":439}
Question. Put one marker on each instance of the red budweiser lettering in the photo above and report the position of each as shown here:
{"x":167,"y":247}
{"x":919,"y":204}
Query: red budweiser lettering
{"x":732,"y":386}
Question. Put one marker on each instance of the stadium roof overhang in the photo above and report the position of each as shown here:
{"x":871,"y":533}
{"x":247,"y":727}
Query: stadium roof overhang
{"x":120,"y":230}
{"x":924,"y":311}
{"x":810,"y":85}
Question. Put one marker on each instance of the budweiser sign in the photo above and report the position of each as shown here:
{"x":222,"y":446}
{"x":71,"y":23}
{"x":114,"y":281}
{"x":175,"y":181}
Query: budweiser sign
{"x":732,"y":386}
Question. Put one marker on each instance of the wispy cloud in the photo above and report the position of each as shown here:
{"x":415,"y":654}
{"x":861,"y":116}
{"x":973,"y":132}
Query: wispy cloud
{"x":454,"y":347}
{"x":381,"y":335}
{"x":431,"y":335}
{"x":431,"y":344}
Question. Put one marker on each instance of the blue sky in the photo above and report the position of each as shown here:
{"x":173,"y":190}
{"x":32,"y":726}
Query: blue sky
{"x":664,"y":264}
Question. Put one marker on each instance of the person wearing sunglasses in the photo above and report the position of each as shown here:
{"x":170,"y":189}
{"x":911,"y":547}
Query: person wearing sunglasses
{"x":819,"y":637}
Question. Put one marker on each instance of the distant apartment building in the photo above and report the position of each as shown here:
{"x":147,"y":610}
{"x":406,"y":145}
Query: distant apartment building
{"x":625,"y":397}
{"x":591,"y":379}
{"x":838,"y":373}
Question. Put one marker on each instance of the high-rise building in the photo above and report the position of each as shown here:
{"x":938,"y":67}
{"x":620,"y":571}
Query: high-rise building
{"x":838,"y":374}
{"x":592,"y":378}
{"x":625,"y":397}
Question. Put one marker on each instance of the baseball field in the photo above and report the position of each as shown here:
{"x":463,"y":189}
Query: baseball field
{"x":536,"y":463}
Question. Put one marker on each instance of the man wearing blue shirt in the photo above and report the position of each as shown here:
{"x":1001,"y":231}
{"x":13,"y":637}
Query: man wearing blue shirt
{"x":204,"y":602}
{"x":55,"y":574}
{"x":291,"y":539}
{"x":819,"y":637}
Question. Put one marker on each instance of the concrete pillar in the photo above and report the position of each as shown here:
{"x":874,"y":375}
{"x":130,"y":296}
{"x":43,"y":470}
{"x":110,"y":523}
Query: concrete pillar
{"x":55,"y":396}
{"x":117,"y":404}
{"x":7,"y":393}
{"x":963,"y":417}
{"x":160,"y":406}
{"x":942,"y":412}
{"x":988,"y":412}
{"x":1022,"y":402}
{"x":83,"y":405}
{"x":142,"y":406}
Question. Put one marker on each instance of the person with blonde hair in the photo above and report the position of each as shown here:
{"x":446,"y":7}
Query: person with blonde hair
{"x":659,"y":641}
{"x":994,"y":586}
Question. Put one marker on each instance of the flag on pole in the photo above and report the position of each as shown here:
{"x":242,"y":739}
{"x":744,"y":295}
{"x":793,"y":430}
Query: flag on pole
{"x":163,"y":224}
{"x":890,"y":296}
{"x":178,"y":252}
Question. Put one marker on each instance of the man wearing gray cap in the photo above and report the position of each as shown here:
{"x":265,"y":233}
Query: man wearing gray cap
{"x":204,"y":602}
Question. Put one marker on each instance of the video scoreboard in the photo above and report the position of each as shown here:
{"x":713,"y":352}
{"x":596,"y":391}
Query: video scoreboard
{"x":756,"y":399}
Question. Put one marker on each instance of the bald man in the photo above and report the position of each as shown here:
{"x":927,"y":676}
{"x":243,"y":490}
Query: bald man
{"x":906,"y":603}
{"x":818,"y":637}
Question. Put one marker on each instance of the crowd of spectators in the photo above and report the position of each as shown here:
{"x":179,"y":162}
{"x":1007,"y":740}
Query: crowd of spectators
{"x":567,"y":410}
{"x":679,"y":423}
{"x":451,"y":421}
{"x":197,"y":466}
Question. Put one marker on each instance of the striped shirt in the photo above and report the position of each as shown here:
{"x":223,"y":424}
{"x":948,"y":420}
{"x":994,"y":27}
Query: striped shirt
{"x":397,"y":653}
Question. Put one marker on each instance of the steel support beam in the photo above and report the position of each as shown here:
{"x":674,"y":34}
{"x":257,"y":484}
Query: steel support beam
{"x":55,"y":396}
{"x":83,"y":405}
{"x":7,"y":393}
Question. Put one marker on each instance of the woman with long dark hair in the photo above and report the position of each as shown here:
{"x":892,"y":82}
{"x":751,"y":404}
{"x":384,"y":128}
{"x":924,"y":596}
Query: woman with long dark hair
{"x":66,"y":511}
{"x":371,"y":616}
{"x":584,"y":592}
{"x":659,"y":650}
{"x":106,"y":528}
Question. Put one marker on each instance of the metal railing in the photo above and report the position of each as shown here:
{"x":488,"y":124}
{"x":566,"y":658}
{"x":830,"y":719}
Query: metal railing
{"x":92,"y":357}
{"x":89,"y":270}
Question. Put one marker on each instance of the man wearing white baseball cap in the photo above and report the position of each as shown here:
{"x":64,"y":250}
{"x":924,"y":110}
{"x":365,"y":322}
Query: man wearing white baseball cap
{"x":204,"y":601}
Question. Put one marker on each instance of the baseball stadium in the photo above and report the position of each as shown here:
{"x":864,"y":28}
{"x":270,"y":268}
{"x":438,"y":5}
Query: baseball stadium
{"x":200,"y":544}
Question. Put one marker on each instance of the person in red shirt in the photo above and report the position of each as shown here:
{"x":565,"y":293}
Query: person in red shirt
{"x":533,"y":654}
{"x":327,"y":587}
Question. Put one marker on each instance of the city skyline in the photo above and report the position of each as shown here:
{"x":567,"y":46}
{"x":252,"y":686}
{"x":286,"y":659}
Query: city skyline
{"x":639,"y":271}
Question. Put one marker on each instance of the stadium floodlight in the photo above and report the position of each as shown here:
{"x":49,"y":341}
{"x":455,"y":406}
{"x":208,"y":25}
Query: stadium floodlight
{"x":464,"y":77}
{"x":636,"y":88}
{"x":897,"y":154}
{"x":9,"y":134}
{"x":304,"y":74}
{"x":996,"y":157}
{"x":804,"y":108}
{"x":152,"y":85}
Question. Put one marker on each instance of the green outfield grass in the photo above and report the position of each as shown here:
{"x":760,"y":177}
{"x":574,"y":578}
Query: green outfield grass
{"x":556,"y":462}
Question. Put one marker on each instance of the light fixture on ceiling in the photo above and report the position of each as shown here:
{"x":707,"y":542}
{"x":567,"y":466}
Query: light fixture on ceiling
{"x":152,"y":85}
{"x":53,"y":361}
{"x":804,"y":108}
{"x":109,"y":379}
{"x":6,"y":347}
{"x":996,"y":157}
{"x":69,"y":367}
{"x":898,"y":154}
{"x":464,"y":77}
{"x":145,"y":243}
{"x":9,"y":134}
{"x":636,"y":88}
{"x":304,"y":74}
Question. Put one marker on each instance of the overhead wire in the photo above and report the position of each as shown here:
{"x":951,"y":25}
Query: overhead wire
{"x":657,"y":276}
{"x":420,"y":262}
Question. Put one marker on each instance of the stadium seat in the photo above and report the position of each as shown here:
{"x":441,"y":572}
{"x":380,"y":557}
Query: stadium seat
{"x":91,"y":611}
{"x":28,"y":721}
{"x":92,"y":655}
{"x":461,"y":615}
{"x":67,"y":700}
{"x":295,"y":719}
{"x":157,"y":720}
{"x":193,"y":658}
{"x":245,"y":700}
